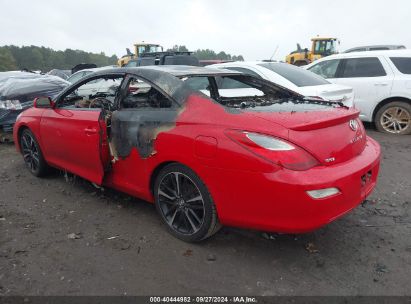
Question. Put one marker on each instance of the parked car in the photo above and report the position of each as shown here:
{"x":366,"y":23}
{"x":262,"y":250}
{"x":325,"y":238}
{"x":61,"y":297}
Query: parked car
{"x":64,"y":74}
{"x":87,"y":71}
{"x":17,"y":92}
{"x":381,"y":82}
{"x":293,"y":78}
{"x":82,"y":66}
{"x":381,"y":47}
{"x":98,"y":85}
{"x":275,"y":162}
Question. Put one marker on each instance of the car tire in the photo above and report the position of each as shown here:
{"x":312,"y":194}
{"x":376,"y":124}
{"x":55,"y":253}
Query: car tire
{"x":184,"y":204}
{"x":394,"y":118}
{"x":32,"y":155}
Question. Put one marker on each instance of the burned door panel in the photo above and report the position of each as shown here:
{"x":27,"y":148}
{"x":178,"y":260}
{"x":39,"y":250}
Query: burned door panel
{"x":139,"y":128}
{"x":146,"y":109}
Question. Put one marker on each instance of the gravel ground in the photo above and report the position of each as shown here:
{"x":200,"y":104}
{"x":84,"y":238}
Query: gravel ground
{"x":61,"y":236}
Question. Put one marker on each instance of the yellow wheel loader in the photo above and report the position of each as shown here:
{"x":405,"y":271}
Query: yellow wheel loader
{"x":320,"y":47}
{"x":139,"y":49}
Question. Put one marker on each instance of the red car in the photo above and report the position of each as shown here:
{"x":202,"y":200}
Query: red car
{"x":209,"y":147}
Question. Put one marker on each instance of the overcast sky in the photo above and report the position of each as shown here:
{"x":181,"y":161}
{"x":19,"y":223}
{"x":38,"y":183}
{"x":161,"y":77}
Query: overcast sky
{"x":253,"y":29}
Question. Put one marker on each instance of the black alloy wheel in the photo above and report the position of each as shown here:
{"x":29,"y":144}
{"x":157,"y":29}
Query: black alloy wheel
{"x":32,"y":155}
{"x":185,"y":204}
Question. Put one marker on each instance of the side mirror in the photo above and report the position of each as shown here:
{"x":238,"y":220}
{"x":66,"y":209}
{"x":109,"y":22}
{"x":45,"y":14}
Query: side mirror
{"x":43,"y":103}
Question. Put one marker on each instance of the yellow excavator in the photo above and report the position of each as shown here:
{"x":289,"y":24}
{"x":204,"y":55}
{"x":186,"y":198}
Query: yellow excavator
{"x":320,"y":47}
{"x":139,"y":48}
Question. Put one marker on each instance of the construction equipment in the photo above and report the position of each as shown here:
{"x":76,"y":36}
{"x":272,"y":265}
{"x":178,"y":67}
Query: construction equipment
{"x":139,"y":49}
{"x":320,"y":47}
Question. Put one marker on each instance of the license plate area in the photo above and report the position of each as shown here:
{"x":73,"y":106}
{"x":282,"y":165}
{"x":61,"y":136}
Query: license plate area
{"x":367,"y":183}
{"x":366,"y":179}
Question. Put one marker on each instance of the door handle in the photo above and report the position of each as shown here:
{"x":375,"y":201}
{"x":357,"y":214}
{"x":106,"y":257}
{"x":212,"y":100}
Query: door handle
{"x":381,"y":84}
{"x":90,"y":131}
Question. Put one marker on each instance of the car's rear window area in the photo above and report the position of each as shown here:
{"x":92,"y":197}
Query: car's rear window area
{"x":296,"y":75}
{"x":403,"y":64}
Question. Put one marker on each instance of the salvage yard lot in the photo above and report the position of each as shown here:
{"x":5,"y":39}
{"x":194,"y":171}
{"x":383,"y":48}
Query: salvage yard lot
{"x":61,"y":236}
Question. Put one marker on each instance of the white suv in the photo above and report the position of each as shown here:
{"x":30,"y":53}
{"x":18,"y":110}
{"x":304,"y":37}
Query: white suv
{"x":382,"y":85}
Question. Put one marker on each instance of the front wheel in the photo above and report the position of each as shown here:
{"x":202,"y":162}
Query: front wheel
{"x":184,"y":204}
{"x":32,"y":155}
{"x":394,"y":118}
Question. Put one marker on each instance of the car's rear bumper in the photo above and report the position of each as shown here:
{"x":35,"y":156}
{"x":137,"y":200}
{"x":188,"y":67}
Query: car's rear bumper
{"x":279,"y":201}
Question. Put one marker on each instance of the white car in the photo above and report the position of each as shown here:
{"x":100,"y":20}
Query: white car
{"x":381,"y":81}
{"x":293,"y":78}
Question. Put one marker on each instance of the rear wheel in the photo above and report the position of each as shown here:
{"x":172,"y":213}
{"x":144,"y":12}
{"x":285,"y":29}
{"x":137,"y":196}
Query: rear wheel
{"x":32,"y":155}
{"x":394,"y":118}
{"x":184,"y":204}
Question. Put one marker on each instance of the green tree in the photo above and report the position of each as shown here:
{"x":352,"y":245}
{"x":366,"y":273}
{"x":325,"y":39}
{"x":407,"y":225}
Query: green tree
{"x":7,"y":61}
{"x":45,"y":59}
{"x":207,"y":54}
{"x":178,"y":48}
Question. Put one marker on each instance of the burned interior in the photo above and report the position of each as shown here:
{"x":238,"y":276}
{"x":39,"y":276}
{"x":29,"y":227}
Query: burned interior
{"x":249,"y":93}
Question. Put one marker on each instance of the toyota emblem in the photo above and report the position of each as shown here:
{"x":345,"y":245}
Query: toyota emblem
{"x":353,"y":124}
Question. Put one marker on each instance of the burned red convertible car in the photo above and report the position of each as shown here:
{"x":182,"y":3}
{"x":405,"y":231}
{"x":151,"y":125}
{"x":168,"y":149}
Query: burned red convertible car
{"x":209,"y":147}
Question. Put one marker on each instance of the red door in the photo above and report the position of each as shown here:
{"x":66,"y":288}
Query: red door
{"x":72,"y":139}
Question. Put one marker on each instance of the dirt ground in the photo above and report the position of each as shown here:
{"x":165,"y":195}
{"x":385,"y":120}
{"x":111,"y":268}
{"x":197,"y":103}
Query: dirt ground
{"x":62,"y":236}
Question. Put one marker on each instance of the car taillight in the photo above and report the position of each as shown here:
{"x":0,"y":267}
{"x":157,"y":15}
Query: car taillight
{"x":275,"y":150}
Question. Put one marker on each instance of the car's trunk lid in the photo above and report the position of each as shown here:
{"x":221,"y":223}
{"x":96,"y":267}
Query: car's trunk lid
{"x":332,"y":134}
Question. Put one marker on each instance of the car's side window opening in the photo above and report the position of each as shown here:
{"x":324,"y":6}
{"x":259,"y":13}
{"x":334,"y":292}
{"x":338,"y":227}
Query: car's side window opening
{"x":230,"y":83}
{"x":96,"y":93}
{"x":198,"y":83}
{"x":241,"y":91}
{"x":141,"y":95}
{"x":235,"y":86}
{"x":75,"y":77}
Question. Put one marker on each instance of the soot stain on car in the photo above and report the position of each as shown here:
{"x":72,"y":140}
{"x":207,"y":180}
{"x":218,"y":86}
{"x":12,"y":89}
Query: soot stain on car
{"x":138,"y":128}
{"x":133,"y":129}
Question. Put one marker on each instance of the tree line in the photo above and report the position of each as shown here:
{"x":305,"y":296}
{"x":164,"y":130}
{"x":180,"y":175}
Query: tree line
{"x":45,"y":59}
{"x":207,"y":54}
